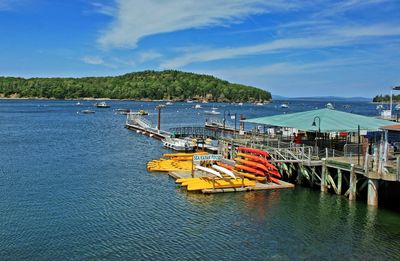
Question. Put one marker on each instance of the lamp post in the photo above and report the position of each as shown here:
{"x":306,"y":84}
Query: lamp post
{"x":319,"y":127}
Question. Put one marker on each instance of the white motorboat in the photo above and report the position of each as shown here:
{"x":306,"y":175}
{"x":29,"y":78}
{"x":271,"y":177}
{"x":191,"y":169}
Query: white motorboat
{"x":168,"y":103}
{"x":102,"y":104}
{"x":197,"y":106}
{"x":259,"y":104}
{"x":240,"y":103}
{"x":284,"y":105}
{"x":178,"y":144}
{"x":380,"y":107}
{"x":329,"y":106}
{"x":213,"y":111}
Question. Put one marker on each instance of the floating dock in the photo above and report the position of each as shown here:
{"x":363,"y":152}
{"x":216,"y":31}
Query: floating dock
{"x":257,"y":187}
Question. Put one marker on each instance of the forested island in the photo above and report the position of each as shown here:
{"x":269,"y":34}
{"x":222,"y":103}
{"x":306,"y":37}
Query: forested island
{"x":386,"y":98}
{"x":146,"y":85}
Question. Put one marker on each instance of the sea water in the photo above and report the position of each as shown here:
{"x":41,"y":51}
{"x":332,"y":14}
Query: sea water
{"x":75,"y":186}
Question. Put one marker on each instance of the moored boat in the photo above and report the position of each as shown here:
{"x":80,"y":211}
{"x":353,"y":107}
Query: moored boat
{"x":102,"y":105}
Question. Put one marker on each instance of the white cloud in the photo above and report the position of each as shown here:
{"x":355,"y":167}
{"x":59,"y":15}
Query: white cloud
{"x":149,"y":56}
{"x":93,"y":60}
{"x":333,"y":38}
{"x":104,"y":9}
{"x":136,"y":19}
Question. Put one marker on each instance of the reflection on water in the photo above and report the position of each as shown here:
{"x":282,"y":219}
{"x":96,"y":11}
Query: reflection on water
{"x":76,"y":187}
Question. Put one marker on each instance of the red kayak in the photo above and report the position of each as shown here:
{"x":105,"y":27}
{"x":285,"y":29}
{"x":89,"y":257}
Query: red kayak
{"x":252,"y":157}
{"x":252,"y":164}
{"x":272,"y":167}
{"x":258,"y":159}
{"x":225,"y":166}
{"x":274,"y":180}
{"x":275,"y":173}
{"x":255,"y":151}
{"x":250,"y":170}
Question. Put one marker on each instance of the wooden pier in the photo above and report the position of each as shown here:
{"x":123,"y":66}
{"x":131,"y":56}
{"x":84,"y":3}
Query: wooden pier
{"x":347,"y":175}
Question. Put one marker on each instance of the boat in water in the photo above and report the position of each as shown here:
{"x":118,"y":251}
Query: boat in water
{"x":329,"y":106}
{"x":87,"y":112}
{"x":380,"y":107}
{"x":198,"y":106}
{"x":397,"y":107}
{"x":123,"y":111}
{"x":168,"y":103}
{"x":240,"y":103}
{"x":259,"y":104}
{"x":78,"y":104}
{"x":178,"y":144}
{"x":284,"y":105}
{"x":139,"y":112}
{"x":213,"y":111}
{"x":102,"y":105}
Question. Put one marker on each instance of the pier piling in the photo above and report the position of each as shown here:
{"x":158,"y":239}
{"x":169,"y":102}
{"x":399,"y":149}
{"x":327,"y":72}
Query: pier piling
{"x":324,"y":187}
{"x":353,"y":183}
{"x":373,"y":192}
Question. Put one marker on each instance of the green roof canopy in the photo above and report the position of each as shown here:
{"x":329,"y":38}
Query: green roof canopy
{"x":330,"y":121}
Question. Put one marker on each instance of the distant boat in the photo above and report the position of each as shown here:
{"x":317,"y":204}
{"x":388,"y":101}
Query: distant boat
{"x":102,"y":105}
{"x":78,"y":104}
{"x":189,"y":101}
{"x":329,"y":106}
{"x":123,"y":111}
{"x":380,"y":107}
{"x":87,"y":111}
{"x":240,"y":103}
{"x":168,"y":103}
{"x":397,"y":107}
{"x":284,"y":105}
{"x":140,"y":112}
{"x":259,"y":104}
{"x":213,"y":111}
{"x":197,"y":106}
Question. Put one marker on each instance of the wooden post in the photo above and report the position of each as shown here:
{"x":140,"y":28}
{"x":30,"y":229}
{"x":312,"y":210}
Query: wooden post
{"x":159,"y":118}
{"x":353,"y":183}
{"x":398,"y":167}
{"x":192,"y":167}
{"x":373,"y":192}
{"x":324,"y":187}
{"x":339,"y":182}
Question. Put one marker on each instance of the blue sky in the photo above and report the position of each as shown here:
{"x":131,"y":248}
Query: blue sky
{"x":291,"y":48}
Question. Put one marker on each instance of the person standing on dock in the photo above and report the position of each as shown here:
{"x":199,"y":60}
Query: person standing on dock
{"x":296,"y":138}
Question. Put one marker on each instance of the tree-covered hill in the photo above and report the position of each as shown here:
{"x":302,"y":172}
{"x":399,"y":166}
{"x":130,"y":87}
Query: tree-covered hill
{"x":154,"y":85}
{"x":386,"y":98}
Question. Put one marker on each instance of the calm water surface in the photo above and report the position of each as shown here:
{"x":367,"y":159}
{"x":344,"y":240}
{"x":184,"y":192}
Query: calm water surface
{"x":76,"y":187}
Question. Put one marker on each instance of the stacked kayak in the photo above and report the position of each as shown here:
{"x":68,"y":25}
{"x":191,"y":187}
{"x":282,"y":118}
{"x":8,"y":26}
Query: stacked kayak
{"x":173,"y":162}
{"x":255,"y":162}
{"x":193,"y":184}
